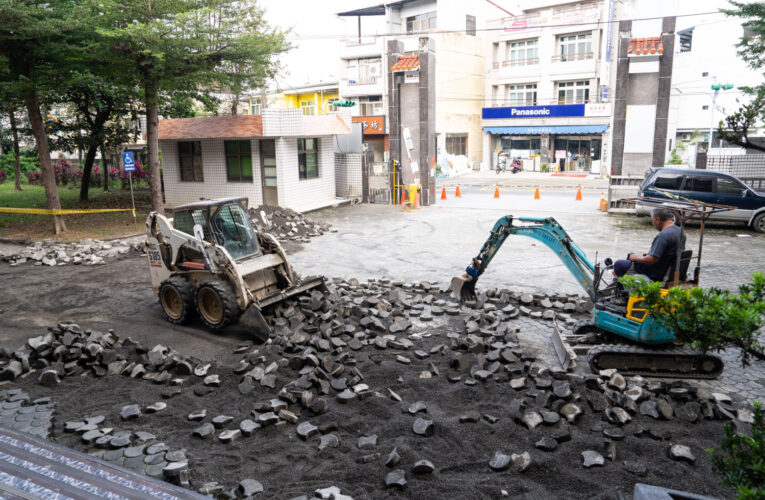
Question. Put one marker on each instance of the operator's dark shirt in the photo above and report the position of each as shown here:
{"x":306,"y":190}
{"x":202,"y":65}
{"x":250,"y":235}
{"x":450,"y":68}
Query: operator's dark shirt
{"x":665,"y":248}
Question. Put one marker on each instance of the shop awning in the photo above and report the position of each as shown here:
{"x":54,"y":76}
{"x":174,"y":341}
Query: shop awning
{"x":551,"y":129}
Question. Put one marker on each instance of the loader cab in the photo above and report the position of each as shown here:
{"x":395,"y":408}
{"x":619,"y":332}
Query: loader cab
{"x":223,"y":222}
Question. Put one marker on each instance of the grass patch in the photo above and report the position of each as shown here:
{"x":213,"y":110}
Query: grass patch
{"x":100,"y":226}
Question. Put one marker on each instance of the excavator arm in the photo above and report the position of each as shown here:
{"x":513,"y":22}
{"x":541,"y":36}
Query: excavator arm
{"x":546,"y":230}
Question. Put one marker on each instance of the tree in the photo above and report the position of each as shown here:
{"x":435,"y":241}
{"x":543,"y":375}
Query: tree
{"x":37,"y":41}
{"x":737,"y":127}
{"x":164,"y":43}
{"x":710,"y":319}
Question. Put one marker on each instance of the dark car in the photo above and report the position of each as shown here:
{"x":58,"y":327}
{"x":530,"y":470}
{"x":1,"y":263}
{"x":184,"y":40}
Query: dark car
{"x":707,"y":186}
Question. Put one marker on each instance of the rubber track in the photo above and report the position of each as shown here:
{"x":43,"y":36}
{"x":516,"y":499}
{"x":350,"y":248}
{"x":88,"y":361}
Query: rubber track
{"x":640,"y":352}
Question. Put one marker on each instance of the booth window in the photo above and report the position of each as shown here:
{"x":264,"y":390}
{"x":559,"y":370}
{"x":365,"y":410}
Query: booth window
{"x":238,"y":161}
{"x":308,"y":158}
{"x":190,"y":161}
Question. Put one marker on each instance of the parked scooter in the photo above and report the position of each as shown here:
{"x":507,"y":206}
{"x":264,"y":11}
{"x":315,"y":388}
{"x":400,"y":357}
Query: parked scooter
{"x":516,"y":167}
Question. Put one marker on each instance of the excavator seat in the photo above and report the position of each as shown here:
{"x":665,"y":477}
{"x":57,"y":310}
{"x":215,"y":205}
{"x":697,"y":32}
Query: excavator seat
{"x":685,"y":262}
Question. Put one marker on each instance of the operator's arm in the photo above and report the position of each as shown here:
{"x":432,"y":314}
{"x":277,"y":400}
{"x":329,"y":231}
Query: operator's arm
{"x":645,"y":259}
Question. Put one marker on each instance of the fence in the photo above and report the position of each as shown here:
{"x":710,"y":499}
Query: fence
{"x":748,"y":168}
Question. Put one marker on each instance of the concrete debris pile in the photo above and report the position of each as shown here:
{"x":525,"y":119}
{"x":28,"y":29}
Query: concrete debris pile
{"x":85,"y":252}
{"x":388,"y":381}
{"x":286,"y":224}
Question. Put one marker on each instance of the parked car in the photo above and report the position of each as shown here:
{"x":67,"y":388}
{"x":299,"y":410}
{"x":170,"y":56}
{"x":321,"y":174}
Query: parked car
{"x":707,"y":186}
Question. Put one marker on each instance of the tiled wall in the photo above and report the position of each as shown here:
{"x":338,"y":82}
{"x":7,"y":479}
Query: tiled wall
{"x":279,"y":122}
{"x":348,"y":175}
{"x":306,"y":194}
{"x":215,"y":184}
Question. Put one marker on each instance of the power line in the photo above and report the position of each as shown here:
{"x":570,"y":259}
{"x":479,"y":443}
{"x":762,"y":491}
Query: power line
{"x":440,"y":32}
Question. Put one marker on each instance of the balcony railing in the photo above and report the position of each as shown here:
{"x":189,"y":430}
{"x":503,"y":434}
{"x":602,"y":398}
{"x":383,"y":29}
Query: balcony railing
{"x":530,"y":61}
{"x":573,"y":56}
{"x":368,"y":81}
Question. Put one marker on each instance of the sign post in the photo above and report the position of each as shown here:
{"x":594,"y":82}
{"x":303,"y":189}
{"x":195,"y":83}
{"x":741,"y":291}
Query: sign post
{"x":128,"y":164}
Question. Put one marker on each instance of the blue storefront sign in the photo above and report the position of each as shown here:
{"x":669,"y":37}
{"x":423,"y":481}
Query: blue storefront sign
{"x":556,"y":110}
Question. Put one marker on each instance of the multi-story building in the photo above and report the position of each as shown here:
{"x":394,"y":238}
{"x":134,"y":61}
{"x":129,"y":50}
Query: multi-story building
{"x":451,"y":27}
{"x":549,"y":85}
{"x":311,"y":99}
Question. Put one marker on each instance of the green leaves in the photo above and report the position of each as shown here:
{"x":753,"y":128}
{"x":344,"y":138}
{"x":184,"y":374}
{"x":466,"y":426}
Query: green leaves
{"x":710,"y":319}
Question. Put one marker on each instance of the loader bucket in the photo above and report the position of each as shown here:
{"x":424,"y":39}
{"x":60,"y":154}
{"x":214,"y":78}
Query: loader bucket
{"x":463,"y":288}
{"x":253,"y":321}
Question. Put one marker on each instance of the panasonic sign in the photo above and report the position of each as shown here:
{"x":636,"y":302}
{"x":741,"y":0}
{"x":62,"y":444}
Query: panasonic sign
{"x":533,"y":111}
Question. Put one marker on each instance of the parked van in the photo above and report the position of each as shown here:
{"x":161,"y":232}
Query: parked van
{"x":707,"y":186}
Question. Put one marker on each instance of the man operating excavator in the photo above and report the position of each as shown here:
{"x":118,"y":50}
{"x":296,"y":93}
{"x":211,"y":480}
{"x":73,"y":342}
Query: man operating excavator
{"x":663,"y":252}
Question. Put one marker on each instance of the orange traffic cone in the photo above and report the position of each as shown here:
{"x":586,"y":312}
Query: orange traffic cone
{"x":417,"y":199}
{"x":603,"y":203}
{"x":536,"y":194}
{"x":443,"y":194}
{"x":403,"y":196}
{"x":579,"y":193}
{"x":496,"y":192}
{"x":457,"y":193}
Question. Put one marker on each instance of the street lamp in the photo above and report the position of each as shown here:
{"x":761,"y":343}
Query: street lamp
{"x":716,"y":87}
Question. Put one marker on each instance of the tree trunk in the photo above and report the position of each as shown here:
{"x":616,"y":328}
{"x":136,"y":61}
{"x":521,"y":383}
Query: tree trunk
{"x":106,"y":169}
{"x":152,"y":142}
{"x":235,"y":103}
{"x":48,"y":178}
{"x":17,"y":171}
{"x":90,"y":158}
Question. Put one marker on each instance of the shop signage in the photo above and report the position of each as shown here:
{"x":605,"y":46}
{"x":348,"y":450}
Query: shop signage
{"x":552,"y":111}
{"x":371,"y":125}
{"x":412,"y":76}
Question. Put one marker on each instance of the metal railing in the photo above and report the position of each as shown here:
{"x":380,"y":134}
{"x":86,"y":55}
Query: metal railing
{"x":529,"y":61}
{"x":574,"y":56}
{"x":369,"y":81}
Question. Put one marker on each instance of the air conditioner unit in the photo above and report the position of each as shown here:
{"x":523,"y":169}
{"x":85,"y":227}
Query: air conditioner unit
{"x":374,"y":70}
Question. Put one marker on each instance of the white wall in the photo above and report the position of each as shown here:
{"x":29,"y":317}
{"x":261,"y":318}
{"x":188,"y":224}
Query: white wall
{"x":215,"y":184}
{"x":301,"y":195}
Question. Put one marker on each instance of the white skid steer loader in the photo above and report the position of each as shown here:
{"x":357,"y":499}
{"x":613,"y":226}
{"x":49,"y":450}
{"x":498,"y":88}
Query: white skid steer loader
{"x":209,"y":260}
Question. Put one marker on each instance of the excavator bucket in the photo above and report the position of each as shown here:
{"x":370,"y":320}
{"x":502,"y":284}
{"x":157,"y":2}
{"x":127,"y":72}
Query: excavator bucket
{"x":463,"y":288}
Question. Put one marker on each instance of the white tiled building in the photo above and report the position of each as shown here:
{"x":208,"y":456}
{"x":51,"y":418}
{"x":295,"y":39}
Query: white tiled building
{"x":279,"y":158}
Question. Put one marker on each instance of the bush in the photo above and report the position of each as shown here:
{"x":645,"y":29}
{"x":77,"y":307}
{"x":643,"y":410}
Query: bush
{"x":34,"y":177}
{"x":544,"y":167}
{"x":29,"y":162}
{"x":674,"y":158}
{"x":3,"y":176}
{"x":741,"y":461}
{"x":139,"y":175}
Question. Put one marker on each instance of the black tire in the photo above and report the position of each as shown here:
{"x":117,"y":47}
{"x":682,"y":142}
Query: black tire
{"x":216,"y":305}
{"x":758,"y":223}
{"x":176,"y":299}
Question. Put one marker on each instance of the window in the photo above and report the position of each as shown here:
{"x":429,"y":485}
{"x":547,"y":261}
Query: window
{"x":369,"y":70}
{"x":190,"y":161}
{"x":705,"y":74}
{"x":308,"y":107}
{"x":729,"y":186}
{"x":524,"y":53}
{"x":456,"y":144}
{"x":234,"y":226}
{"x":308,"y":158}
{"x":575,"y":47}
{"x":256,"y":108}
{"x":371,"y":105}
{"x":238,"y":161}
{"x":574,"y":92}
{"x":470,"y":25}
{"x":699,"y":184}
{"x":421,"y":22}
{"x":705,"y":107}
{"x":185,"y":221}
{"x":522,"y":95}
{"x":668,"y":181}
{"x":685,"y":40}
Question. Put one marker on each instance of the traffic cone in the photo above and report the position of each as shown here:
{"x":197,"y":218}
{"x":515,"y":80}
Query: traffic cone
{"x":403,"y":196}
{"x":496,"y":192}
{"x":457,"y":193}
{"x":579,"y":193}
{"x":536,"y":194}
{"x":603,"y":203}
{"x":417,"y":199}
{"x":443,"y":193}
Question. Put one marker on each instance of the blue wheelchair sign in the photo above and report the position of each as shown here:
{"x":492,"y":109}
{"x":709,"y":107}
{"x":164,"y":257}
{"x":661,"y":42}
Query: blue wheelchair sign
{"x":128,"y":162}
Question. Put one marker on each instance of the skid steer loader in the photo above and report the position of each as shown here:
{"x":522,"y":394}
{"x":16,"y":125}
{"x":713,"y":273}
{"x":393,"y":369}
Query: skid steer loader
{"x":208,"y":260}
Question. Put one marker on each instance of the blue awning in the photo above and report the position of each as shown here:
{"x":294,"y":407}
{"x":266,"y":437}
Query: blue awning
{"x":548,"y":129}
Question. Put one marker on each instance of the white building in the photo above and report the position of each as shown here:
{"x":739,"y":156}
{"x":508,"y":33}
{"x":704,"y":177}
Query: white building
{"x":549,"y":84}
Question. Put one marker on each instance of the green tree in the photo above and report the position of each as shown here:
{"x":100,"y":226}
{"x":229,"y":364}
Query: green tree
{"x":167,"y":42}
{"x":740,"y":125}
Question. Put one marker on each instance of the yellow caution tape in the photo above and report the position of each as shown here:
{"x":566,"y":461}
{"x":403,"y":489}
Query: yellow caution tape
{"x":59,"y":211}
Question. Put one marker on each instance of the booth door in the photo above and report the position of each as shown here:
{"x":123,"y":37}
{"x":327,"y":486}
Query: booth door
{"x":268,"y":167}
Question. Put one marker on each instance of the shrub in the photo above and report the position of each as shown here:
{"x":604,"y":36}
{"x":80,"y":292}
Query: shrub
{"x":675,"y":158}
{"x":741,"y":459}
{"x":544,"y":167}
{"x":29,"y":162}
{"x":3,"y":176}
{"x":34,"y":177}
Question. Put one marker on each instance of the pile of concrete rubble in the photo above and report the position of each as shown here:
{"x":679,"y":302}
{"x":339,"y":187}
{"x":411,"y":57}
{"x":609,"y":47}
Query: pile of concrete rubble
{"x":84,"y":252}
{"x":286,"y":224}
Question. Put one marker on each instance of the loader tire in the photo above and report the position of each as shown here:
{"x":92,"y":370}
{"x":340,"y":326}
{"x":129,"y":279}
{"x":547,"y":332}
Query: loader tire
{"x":176,"y":299}
{"x":216,"y":304}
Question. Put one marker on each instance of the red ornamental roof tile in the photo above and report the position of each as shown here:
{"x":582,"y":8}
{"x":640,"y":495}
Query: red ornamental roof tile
{"x":211,"y":127}
{"x":406,"y":63}
{"x":646,"y":46}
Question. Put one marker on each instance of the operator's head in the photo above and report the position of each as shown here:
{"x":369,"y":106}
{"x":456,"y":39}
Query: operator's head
{"x":659,"y":216}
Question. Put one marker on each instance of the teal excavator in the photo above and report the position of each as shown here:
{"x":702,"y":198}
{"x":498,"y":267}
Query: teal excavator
{"x":637,"y":345}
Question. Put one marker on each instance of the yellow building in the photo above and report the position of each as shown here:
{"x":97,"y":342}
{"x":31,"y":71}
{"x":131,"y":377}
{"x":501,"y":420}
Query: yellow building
{"x":315,"y":99}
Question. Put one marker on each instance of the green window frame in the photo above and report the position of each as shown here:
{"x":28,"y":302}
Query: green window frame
{"x":308,"y":158}
{"x":190,"y":161}
{"x":238,"y":161}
